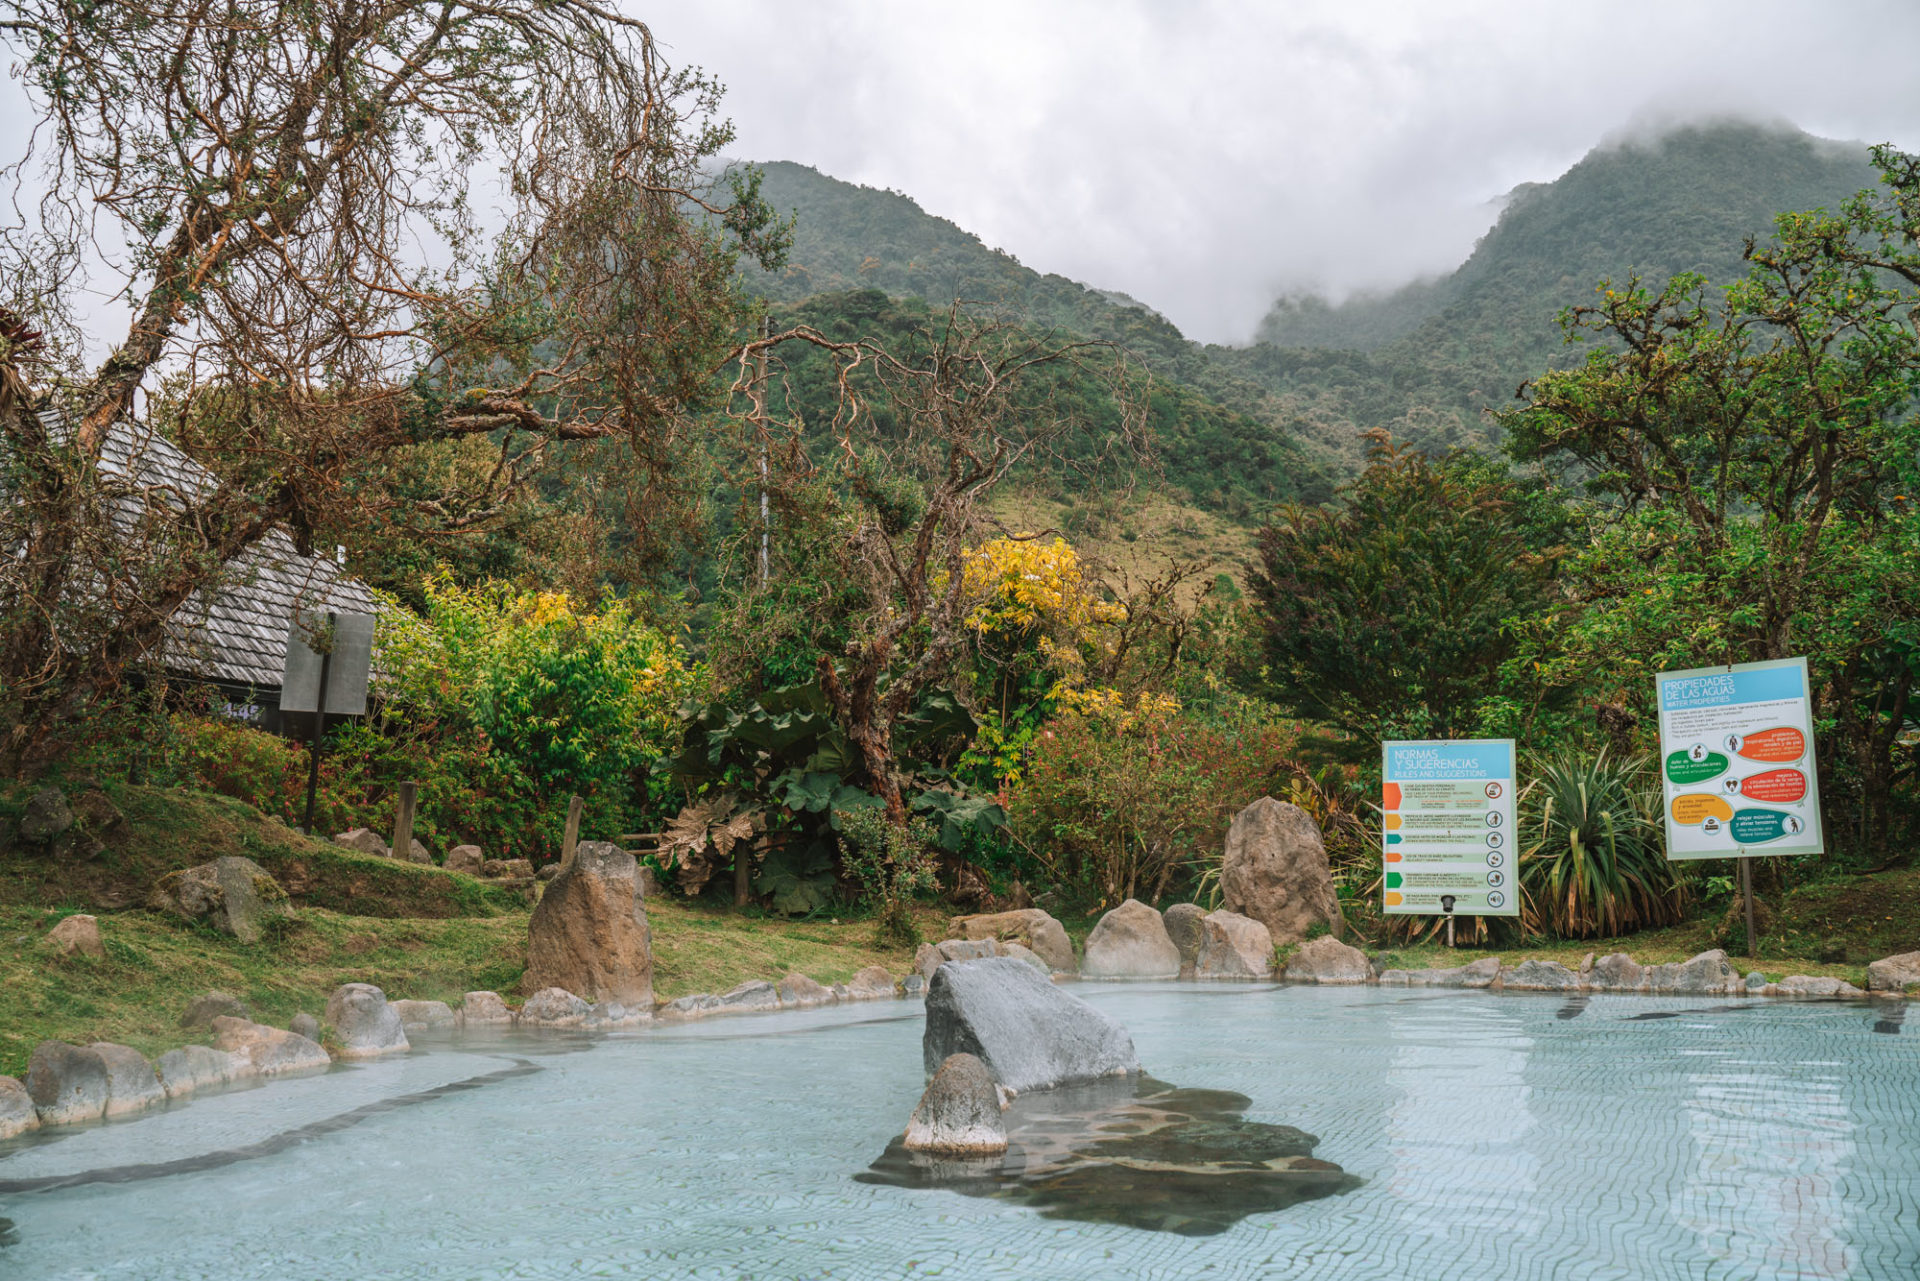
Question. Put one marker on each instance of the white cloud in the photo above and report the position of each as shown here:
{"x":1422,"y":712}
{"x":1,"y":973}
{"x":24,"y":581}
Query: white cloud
{"x":1204,"y":156}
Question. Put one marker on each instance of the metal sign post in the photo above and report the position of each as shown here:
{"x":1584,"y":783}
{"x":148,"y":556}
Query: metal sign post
{"x":1736,"y":766}
{"x":326,"y":674}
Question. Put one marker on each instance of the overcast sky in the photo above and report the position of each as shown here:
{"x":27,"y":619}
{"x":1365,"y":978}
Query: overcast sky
{"x":1204,"y":156}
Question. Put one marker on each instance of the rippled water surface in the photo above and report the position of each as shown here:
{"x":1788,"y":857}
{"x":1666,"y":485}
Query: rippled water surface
{"x":1492,"y":1135}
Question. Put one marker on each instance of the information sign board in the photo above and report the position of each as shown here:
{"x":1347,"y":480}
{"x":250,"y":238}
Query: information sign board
{"x":347,"y":667}
{"x":1736,"y":761}
{"x":1447,"y":828}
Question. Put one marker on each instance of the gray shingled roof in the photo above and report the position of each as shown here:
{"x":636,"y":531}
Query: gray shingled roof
{"x":238,"y":632}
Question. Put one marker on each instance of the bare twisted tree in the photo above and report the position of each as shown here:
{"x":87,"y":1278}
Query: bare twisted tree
{"x":378,"y":259}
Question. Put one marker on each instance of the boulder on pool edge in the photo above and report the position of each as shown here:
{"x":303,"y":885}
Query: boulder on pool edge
{"x":1029,"y":1033}
{"x":1233,"y":946}
{"x":366,"y":1025}
{"x":959,"y":1115}
{"x":589,"y":933}
{"x":1899,"y":973}
{"x":1328,"y":960}
{"x":17,"y":1114}
{"x":1030,"y":927}
{"x":1275,"y":870}
{"x":1183,"y":927}
{"x":67,"y":1083}
{"x":1131,"y":942}
{"x":260,"y":1050}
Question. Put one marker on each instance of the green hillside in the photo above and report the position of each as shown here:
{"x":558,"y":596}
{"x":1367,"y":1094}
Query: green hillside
{"x":1426,"y":360}
{"x":1423,"y":361}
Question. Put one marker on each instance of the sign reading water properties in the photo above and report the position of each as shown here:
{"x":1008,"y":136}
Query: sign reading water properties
{"x":1447,"y":828}
{"x":1736,"y":761}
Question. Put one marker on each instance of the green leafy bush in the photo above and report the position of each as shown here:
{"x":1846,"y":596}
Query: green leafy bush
{"x":891,"y":864}
{"x":1593,"y":859}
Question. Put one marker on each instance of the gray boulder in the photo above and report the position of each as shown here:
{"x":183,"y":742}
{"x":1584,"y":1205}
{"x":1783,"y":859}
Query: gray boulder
{"x":1183,"y":927}
{"x":233,"y":894}
{"x":1616,"y":972}
{"x":1708,"y":974}
{"x":68,"y":1083}
{"x":192,"y":1068}
{"x":695,"y":1006}
{"x":612,"y":1014}
{"x":260,"y":1050}
{"x":1898,"y":973}
{"x":1328,"y":960}
{"x":913,"y":985}
{"x":1540,"y":976}
{"x":1806,"y":985}
{"x":874,"y":983}
{"x":418,"y":853}
{"x":131,"y":1083}
{"x":931,"y":956}
{"x":365,"y":840}
{"x":17,"y":1114}
{"x":514,"y":869}
{"x":421,"y":1016}
{"x":1030,"y":927}
{"x":1480,"y":973}
{"x":554,"y":1007}
{"x":960,"y":1112}
{"x":799,"y":992}
{"x":76,"y":935}
{"x":1233,"y":946}
{"x":212,"y":1005}
{"x":366,"y":1025}
{"x":589,"y":933}
{"x":465,"y":858}
{"x":305,"y":1024}
{"x":1131,"y":942}
{"x":1275,"y":870}
{"x":484,"y":1008}
{"x":755,"y":996}
{"x":1029,"y":1033}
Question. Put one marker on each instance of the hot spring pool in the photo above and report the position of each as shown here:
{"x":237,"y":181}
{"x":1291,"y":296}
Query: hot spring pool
{"x":1496,"y":1135}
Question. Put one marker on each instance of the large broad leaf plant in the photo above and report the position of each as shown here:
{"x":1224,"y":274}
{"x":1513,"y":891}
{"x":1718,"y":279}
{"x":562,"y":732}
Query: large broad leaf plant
{"x":771,"y":779}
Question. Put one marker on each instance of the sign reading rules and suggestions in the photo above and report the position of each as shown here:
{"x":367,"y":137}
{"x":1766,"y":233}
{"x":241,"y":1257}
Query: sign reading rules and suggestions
{"x":1736,"y":761}
{"x":1447,"y":828}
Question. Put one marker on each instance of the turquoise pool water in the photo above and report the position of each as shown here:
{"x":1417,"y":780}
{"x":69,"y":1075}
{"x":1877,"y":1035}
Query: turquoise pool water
{"x":1495,"y":1135}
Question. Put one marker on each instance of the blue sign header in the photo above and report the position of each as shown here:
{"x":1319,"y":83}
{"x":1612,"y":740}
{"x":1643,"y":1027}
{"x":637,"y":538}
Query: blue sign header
{"x":1468,"y":758}
{"x":1725,"y":689}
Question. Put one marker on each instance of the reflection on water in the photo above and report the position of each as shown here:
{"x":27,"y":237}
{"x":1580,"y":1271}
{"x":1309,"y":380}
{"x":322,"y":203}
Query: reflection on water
{"x":1141,"y":1153}
{"x":1772,"y":1144}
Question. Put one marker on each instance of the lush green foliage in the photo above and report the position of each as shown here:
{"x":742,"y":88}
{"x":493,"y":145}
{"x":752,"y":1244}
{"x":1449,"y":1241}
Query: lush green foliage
{"x":891,"y":864}
{"x":1388,"y":615}
{"x":1593,"y":860}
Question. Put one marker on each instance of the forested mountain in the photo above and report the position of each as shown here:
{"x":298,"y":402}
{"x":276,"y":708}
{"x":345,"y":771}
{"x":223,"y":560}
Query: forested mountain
{"x":1424,"y":361}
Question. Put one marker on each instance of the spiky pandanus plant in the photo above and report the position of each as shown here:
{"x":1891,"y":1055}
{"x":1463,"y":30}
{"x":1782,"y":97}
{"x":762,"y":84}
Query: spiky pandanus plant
{"x":1593,"y":863}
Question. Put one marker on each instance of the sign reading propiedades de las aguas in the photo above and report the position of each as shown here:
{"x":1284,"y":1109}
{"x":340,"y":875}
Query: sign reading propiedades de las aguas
{"x":1736,"y":761}
{"x":1448,"y":834}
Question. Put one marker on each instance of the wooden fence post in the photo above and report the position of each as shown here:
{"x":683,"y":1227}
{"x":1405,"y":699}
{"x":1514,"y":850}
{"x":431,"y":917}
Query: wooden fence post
{"x":403,"y":823}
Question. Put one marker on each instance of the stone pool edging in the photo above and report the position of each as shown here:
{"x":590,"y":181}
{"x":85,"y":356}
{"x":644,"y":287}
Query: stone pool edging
{"x":1711,"y":973}
{"x":73,"y":1084}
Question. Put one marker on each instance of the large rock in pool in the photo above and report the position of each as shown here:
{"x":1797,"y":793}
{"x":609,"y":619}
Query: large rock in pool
{"x":960,"y":1112}
{"x":1131,"y":942}
{"x":233,"y":894}
{"x":589,"y":933}
{"x":365,"y":1023}
{"x":1233,"y":946}
{"x":1275,"y":870}
{"x":1029,"y":1033}
{"x":1030,"y":927}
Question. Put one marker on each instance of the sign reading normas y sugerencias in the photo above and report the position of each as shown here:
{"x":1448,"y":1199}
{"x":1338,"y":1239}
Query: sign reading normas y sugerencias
{"x":1736,"y":761}
{"x":1447,"y":828}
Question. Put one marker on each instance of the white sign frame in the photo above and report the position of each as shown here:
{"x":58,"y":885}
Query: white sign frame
{"x":1711,"y":718}
{"x":1447,"y":817}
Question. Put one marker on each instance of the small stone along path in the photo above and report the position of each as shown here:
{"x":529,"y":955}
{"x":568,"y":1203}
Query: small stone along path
{"x":69,"y":1084}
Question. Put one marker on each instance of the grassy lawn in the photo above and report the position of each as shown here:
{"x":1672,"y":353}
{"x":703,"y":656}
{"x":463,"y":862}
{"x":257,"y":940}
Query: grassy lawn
{"x":423,"y":933}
